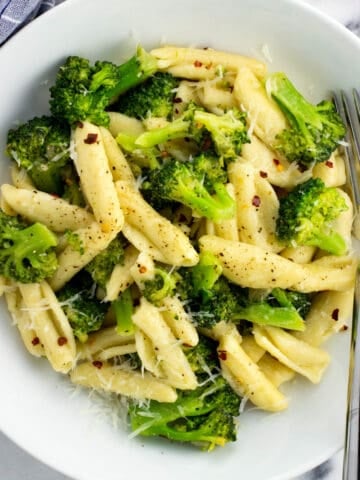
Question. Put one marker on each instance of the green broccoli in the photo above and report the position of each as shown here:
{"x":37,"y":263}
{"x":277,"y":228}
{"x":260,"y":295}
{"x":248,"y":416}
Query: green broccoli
{"x":41,"y":146}
{"x":211,"y":168}
{"x":204,"y":417}
{"x":83,"y":92}
{"x":143,"y":157}
{"x":179,"y":182}
{"x":305,"y":217}
{"x":162,"y":285}
{"x":102,"y":265}
{"x":27,"y":252}
{"x":315,"y":131}
{"x":84,"y":311}
{"x":123,"y":309}
{"x":153,"y":98}
{"x":203,"y":358}
{"x":182,"y":127}
{"x":228,"y":131}
{"x":211,"y":298}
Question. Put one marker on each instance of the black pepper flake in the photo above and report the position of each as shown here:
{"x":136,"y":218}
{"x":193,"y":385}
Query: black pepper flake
{"x":177,"y":100}
{"x":35,"y":341}
{"x":197,"y":63}
{"x":62,"y":341}
{"x":335,"y":314}
{"x":263,"y":174}
{"x":91,"y":138}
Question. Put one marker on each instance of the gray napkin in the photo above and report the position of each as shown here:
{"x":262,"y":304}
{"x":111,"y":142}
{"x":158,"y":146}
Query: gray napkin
{"x":14,"y":14}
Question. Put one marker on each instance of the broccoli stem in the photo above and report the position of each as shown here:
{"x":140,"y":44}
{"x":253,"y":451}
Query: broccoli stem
{"x":264,"y":314}
{"x":123,"y":308}
{"x":294,"y":105}
{"x":333,"y":243}
{"x":133,"y":72}
{"x":188,"y":436}
{"x":176,"y":129}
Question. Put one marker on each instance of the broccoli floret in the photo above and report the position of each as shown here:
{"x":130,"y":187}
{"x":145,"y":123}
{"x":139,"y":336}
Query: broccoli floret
{"x":203,"y":358}
{"x":228,"y":131}
{"x":41,"y":147}
{"x":305,"y":217}
{"x":153,"y":98}
{"x":102,"y":265}
{"x":143,"y":157}
{"x":211,"y":168}
{"x":204,"y":417}
{"x":82,"y":91}
{"x":123,"y":309}
{"x":286,"y":298}
{"x":27,"y":253}
{"x":177,"y":181}
{"x":84,"y":311}
{"x":162,"y":285}
{"x":315,"y":130}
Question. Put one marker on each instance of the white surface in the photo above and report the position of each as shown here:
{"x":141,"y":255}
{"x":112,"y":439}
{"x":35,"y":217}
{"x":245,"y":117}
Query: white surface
{"x":36,"y":408}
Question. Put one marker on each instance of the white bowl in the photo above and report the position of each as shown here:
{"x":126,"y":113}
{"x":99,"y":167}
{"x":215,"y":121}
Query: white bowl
{"x":36,"y":407}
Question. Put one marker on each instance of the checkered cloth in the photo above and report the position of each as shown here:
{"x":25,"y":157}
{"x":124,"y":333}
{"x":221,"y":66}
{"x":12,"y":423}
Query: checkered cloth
{"x":14,"y":14}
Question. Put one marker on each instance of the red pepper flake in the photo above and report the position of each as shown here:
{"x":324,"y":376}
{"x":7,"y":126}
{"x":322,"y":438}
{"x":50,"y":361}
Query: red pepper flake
{"x":97,"y":364}
{"x":276,"y":161}
{"x":91,"y":138}
{"x":197,"y":63}
{"x":62,"y":341}
{"x":256,"y":201}
{"x":263,"y":174}
{"x":335,"y":314}
{"x":80,"y":124}
{"x":142,"y":269}
{"x":344,"y":328}
{"x":329,"y":164}
{"x":177,"y":100}
{"x":222,"y":354}
{"x":35,"y":341}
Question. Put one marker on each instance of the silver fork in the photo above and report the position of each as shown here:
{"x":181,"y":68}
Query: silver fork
{"x":348,"y":107}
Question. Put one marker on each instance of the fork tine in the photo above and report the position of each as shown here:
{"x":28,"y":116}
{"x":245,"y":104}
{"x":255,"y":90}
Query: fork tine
{"x":349,"y":111}
{"x":351,"y":118}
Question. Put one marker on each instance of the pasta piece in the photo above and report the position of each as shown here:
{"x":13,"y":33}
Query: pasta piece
{"x":332,"y":172}
{"x":297,"y":355}
{"x":143,"y":269}
{"x":119,"y":167}
{"x":246,"y":378}
{"x":121,"y":278}
{"x":54,"y":212}
{"x":257,"y":207}
{"x":186,"y":92}
{"x":252,"y":349}
{"x":205,"y":62}
{"x":141,"y":242}
{"x":300,"y":254}
{"x":22,"y":320}
{"x":242,"y":263}
{"x":265,"y":117}
{"x":278,"y":171}
{"x":113,"y":352}
{"x":146,"y":351}
{"x":228,"y":229}
{"x":168,"y":239}
{"x":120,"y":123}
{"x":173,"y":360}
{"x":275,"y":371}
{"x":50,"y":324}
{"x":102,"y":341}
{"x":104,"y":376}
{"x":71,"y":260}
{"x":179,"y":322}
{"x":96,"y":180}
{"x":215,"y":100}
{"x":329,"y":313}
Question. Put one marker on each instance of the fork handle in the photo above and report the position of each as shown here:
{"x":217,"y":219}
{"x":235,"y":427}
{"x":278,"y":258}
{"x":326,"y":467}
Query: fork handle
{"x":351,"y":455}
